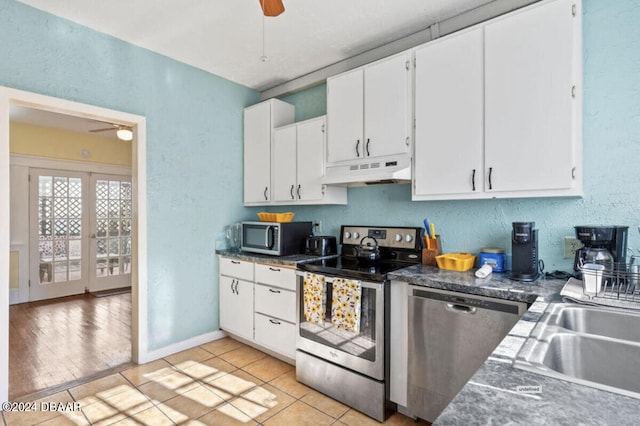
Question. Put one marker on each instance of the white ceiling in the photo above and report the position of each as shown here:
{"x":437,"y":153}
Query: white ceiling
{"x":53,"y":120}
{"x":224,"y":37}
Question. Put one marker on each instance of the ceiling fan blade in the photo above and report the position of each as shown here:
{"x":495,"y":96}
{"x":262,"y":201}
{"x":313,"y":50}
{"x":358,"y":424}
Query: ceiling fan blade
{"x":272,"y":7}
{"x":103,"y":130}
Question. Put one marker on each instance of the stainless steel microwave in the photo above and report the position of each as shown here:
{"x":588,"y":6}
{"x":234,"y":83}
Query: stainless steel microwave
{"x":278,"y":239}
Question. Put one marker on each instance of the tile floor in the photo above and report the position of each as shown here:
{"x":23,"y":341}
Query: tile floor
{"x":223,"y":382}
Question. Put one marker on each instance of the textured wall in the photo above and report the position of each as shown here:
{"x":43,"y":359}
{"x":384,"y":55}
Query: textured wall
{"x":194,"y":149}
{"x":611,"y":126}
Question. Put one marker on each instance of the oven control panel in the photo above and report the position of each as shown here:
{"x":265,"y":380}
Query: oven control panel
{"x":393,"y":237}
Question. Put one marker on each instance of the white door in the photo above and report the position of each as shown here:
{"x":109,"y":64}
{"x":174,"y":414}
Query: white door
{"x":59,"y":220}
{"x":284,"y":164}
{"x":110,"y":245}
{"x":529,"y":66}
{"x":387,"y":119}
{"x":345,"y":117}
{"x":449,"y":116}
{"x":236,"y":306}
{"x":310,"y":159}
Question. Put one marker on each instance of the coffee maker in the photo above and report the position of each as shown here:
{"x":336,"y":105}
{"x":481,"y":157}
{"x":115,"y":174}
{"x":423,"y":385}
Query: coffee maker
{"x":524,"y":251}
{"x":605,"y":245}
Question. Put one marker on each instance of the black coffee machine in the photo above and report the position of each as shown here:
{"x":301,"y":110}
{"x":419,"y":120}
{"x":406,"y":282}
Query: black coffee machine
{"x":524,"y":251}
{"x":602,"y":244}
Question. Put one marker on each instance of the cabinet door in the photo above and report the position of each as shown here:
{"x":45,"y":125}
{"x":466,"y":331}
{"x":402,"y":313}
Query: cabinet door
{"x":449,"y":116}
{"x":257,"y":153}
{"x":345,"y":116}
{"x":310,"y":159}
{"x":387,"y":87}
{"x":529,"y":120}
{"x":284,"y":164}
{"x":236,"y":306}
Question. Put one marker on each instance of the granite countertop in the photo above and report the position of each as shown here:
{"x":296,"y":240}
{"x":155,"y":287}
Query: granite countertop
{"x":291,"y":260}
{"x":492,"y":396}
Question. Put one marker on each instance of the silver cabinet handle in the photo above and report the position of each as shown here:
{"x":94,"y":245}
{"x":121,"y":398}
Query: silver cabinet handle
{"x":291,"y":191}
{"x":274,"y":291}
{"x":237,"y":292}
{"x":232,"y":289}
{"x":274,"y":269}
{"x":298,"y":191}
{"x":266,"y":188}
{"x":272,"y":321}
{"x":235,"y":262}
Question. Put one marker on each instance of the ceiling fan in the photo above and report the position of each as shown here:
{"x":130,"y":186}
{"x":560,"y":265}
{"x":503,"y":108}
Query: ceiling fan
{"x":123,"y":132}
{"x":271,"y":7}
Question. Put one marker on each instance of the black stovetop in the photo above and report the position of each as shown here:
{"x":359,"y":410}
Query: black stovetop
{"x":349,"y":267}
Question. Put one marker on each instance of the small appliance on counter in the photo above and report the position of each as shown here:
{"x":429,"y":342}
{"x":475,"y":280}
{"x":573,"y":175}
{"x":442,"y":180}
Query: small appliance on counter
{"x":524,"y":251}
{"x":604,"y":245}
{"x":320,"y":245}
{"x":275,"y":238}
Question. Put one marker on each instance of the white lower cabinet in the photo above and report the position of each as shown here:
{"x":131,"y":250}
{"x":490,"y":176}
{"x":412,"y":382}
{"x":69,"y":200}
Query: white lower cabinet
{"x":261,"y":310}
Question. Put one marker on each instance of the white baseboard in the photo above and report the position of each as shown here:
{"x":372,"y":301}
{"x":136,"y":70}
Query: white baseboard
{"x":182,"y":346}
{"x":14,"y":296}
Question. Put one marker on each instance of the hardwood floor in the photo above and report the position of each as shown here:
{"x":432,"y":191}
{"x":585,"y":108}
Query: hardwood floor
{"x":62,"y":340}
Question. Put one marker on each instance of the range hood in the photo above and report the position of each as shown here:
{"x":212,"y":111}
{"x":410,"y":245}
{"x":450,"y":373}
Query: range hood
{"x":374,"y":172}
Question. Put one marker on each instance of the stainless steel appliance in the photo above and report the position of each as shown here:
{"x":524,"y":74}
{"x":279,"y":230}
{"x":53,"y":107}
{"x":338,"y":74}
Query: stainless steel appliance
{"x":605,"y":245}
{"x":354,"y":367}
{"x":320,"y":245}
{"x":524,"y":251}
{"x":450,"y":336}
{"x":275,"y":238}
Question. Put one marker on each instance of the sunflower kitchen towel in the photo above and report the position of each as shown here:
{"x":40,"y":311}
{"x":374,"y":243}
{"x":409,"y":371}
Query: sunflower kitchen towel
{"x":315,"y":297}
{"x":345,"y":304}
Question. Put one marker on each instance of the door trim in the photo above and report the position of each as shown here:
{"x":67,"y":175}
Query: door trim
{"x":8,"y":97}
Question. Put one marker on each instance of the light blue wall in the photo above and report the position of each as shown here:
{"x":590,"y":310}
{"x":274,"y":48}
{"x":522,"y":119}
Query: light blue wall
{"x":611,"y":126}
{"x":194,"y":149}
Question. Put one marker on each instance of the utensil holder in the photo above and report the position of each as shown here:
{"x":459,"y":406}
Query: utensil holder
{"x":433,"y":248}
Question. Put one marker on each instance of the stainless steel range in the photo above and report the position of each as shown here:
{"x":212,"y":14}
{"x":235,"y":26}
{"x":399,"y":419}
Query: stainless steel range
{"x":343,"y":316}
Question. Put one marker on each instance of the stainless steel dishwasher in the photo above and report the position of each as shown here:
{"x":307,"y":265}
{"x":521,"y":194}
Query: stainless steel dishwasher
{"x":450,"y":335}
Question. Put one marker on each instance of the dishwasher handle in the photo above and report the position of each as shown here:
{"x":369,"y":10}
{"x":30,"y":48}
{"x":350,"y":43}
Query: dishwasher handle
{"x":461,"y":309}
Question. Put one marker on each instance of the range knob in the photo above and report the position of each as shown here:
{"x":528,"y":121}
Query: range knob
{"x":347,"y":235}
{"x":356,"y":235}
{"x":398,"y":237}
{"x":408,"y":238}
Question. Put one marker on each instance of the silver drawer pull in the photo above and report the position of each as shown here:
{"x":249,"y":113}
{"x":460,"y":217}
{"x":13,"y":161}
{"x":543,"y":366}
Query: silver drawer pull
{"x":235,"y":262}
{"x":274,"y":291}
{"x":272,"y":321}
{"x":274,"y":269}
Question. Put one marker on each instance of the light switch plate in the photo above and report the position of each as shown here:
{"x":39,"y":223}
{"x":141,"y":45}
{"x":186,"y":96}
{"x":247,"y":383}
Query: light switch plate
{"x":571,"y":246}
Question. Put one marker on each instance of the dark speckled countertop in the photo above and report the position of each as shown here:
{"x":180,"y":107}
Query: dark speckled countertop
{"x":291,"y":260}
{"x":492,"y":396}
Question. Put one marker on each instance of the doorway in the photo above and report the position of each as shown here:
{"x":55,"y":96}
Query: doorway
{"x":9,"y":97}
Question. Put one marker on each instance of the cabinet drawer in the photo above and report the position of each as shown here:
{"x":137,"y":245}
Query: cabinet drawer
{"x":276,"y":334}
{"x":236,"y":268}
{"x":276,"y":275}
{"x":276,"y":302}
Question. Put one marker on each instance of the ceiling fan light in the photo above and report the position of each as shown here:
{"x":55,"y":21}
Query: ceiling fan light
{"x":125,"y":134}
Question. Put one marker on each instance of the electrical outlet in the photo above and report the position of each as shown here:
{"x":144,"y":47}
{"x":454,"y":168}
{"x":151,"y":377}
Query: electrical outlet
{"x":571,"y":246}
{"x":317,"y":227}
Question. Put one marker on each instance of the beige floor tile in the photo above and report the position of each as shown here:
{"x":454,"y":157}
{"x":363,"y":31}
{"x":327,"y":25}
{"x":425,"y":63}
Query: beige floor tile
{"x":246,"y":376}
{"x":104,"y":384}
{"x":250,"y":408}
{"x":197,"y":370}
{"x":221,"y":346}
{"x":227,"y":415}
{"x":156,"y":392}
{"x":176,"y":382}
{"x":127,"y":421}
{"x":129,"y":401}
{"x":268,"y":368}
{"x":65,"y":421}
{"x":300,"y":414}
{"x":232,"y":384}
{"x":152,"y":416}
{"x":141,"y":374}
{"x":288,"y":384}
{"x":190,"y":406}
{"x":193,"y":354}
{"x":220,"y":364}
{"x":242,"y":356}
{"x":281,"y":401}
{"x":325,"y":404}
{"x":102,"y":412}
{"x":207,"y":396}
{"x":356,"y":418}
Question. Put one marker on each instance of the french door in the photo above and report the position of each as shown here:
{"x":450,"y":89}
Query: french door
{"x":80,"y":233}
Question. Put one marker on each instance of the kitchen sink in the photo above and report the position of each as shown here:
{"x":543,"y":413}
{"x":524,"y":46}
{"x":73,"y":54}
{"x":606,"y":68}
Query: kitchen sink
{"x":587,"y":345}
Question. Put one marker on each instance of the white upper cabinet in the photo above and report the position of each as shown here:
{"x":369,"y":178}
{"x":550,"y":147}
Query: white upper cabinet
{"x":530,"y":111}
{"x":259,"y":122}
{"x":368,"y":111}
{"x":449,"y":116}
{"x":298,"y":165}
{"x":498,"y":108}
